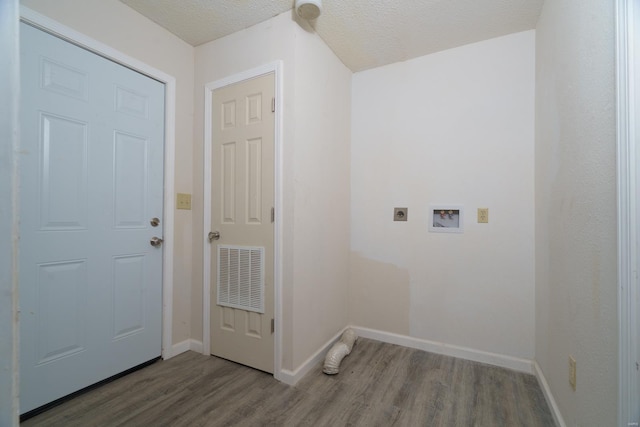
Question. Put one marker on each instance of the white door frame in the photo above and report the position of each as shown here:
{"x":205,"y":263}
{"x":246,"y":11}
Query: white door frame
{"x":53,"y":27}
{"x":628,"y":237}
{"x":276,"y":68}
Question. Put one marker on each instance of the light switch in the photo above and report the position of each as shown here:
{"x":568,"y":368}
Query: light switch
{"x":572,"y":372}
{"x":183,"y":201}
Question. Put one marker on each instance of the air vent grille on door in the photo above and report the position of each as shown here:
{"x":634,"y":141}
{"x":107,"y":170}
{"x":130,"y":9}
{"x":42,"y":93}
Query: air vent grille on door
{"x":241,"y":277}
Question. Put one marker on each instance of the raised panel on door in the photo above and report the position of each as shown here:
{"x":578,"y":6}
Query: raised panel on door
{"x":130,"y":174}
{"x":254,"y":181}
{"x":63,"y":183}
{"x":128,"y":295}
{"x":61,"y":333}
{"x":91,"y":174}
{"x":228,"y":185}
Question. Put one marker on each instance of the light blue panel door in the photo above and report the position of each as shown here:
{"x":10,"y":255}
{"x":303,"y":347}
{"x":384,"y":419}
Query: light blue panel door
{"x":91,"y":177}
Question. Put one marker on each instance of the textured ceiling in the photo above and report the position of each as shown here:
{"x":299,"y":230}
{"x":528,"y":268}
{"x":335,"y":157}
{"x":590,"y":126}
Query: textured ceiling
{"x":200,"y":21}
{"x":363,"y":33}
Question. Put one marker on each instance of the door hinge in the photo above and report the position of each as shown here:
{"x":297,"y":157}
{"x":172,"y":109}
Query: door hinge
{"x":273,"y":325}
{"x":273,"y":105}
{"x":273,"y":215}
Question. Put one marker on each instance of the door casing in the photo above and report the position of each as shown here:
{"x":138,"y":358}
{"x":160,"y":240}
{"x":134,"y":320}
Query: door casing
{"x":53,"y":27}
{"x":276,"y":68}
{"x":628,"y":218}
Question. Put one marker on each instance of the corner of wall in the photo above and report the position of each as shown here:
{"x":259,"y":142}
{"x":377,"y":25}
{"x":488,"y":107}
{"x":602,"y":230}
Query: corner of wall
{"x":575,"y":164}
{"x":319,"y":156}
{"x":548,"y":395}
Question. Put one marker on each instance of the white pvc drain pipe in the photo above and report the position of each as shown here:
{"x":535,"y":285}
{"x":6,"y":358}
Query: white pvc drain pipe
{"x":339,"y":350}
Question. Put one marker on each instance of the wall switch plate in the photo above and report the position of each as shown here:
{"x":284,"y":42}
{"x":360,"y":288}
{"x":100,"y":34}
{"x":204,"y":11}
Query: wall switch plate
{"x":572,"y":373}
{"x":400,"y":214}
{"x":183,"y":201}
{"x":483,"y":215}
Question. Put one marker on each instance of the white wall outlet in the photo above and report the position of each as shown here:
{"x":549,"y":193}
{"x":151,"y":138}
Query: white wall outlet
{"x":483,"y":215}
{"x":400,"y":214}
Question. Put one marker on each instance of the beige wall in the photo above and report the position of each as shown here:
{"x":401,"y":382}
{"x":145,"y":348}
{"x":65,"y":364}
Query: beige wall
{"x":452,"y":127}
{"x":315,"y":175}
{"x":575,"y":158}
{"x":120,"y":27}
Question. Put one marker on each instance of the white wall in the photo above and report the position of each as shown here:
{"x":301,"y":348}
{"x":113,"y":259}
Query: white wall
{"x":9,"y":84}
{"x":452,"y":127}
{"x":315,"y":175}
{"x":118,"y":26}
{"x":321,"y":211}
{"x":575,"y":174}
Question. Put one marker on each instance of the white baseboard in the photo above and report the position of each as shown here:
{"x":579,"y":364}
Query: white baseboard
{"x":180,"y":347}
{"x":196,"y":346}
{"x":186,"y":345}
{"x":555,"y":411}
{"x":292,"y":377}
{"x":509,"y":362}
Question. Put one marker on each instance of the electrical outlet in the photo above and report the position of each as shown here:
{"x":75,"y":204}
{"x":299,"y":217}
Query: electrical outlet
{"x":400,"y":214}
{"x":483,"y":215}
{"x":183,"y":201}
{"x":572,"y":373}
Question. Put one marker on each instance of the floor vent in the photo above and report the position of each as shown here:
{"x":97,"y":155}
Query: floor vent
{"x":241,"y":277}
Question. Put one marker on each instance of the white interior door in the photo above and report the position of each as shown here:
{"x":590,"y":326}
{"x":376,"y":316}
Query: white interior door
{"x":91,"y":177}
{"x":242,"y":197}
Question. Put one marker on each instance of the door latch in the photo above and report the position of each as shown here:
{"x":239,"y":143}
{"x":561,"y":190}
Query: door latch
{"x":156,"y":242}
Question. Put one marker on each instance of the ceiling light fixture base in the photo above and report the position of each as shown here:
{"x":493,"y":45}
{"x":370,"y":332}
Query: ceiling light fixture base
{"x":308,"y":9}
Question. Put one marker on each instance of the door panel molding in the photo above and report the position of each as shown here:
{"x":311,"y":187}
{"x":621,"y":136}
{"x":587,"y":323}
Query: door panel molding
{"x":276,"y":68}
{"x":53,"y":27}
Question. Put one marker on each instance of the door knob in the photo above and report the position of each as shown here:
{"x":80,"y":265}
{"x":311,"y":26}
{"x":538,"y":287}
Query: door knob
{"x":156,"y":242}
{"x":214,"y":235}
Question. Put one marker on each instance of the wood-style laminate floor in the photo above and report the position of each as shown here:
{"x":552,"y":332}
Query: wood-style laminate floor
{"x":379,"y":384}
